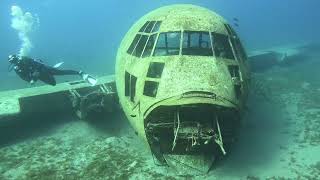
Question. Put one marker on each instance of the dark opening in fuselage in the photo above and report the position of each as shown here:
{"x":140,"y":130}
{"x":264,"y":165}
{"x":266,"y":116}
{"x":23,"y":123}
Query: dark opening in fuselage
{"x":191,"y":129}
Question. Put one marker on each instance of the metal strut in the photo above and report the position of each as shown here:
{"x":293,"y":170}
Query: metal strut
{"x":176,"y":134}
{"x":218,"y":139}
{"x":75,"y":100}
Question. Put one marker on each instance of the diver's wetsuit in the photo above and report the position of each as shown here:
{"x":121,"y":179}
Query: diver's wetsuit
{"x":31,"y":70}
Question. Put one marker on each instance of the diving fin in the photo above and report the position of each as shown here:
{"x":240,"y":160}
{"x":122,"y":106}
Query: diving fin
{"x":90,"y":79}
{"x":58,"y":65}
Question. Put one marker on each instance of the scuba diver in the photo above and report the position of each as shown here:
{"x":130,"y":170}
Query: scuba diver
{"x":32,"y":70}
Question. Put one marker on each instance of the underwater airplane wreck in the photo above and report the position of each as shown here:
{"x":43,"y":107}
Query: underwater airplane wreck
{"x":182,"y":79}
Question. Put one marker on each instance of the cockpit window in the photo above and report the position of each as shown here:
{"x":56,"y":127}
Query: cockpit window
{"x":238,"y":48}
{"x":144,"y":41}
{"x":156,"y":27}
{"x":221,"y":46}
{"x":150,"y":88}
{"x":149,"y":46}
{"x":155,"y":70}
{"x":133,"y":44}
{"x":196,"y":43}
{"x":144,"y":26}
{"x":168,"y":44}
{"x":140,"y":46}
{"x":130,"y":85}
{"x":231,"y":32}
{"x":150,"y":27}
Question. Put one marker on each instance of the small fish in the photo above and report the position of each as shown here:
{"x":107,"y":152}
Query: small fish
{"x":236,"y":19}
{"x":236,"y":24}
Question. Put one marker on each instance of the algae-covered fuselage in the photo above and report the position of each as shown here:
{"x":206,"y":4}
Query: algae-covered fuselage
{"x":182,"y":79}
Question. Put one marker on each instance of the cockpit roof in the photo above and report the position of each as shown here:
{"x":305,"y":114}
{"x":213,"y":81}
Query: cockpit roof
{"x":186,"y":17}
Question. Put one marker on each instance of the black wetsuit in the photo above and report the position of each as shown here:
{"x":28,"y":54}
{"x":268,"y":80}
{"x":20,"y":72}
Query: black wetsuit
{"x":31,"y":70}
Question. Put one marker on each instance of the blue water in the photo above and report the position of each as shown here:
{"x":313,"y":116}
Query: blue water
{"x":86,"y":34}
